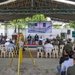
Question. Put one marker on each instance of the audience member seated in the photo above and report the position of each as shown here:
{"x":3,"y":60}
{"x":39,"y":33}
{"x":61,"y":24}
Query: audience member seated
{"x":7,"y":42}
{"x":11,"y":44}
{"x":67,"y":45}
{"x":40,"y":43}
{"x":3,"y":41}
{"x":48,"y":48}
{"x":61,"y":42}
{"x":40,"y":48}
{"x":57,"y":37}
{"x":67,"y":63}
{"x":71,"y":70}
{"x":62,"y":59}
{"x":55,"y":42}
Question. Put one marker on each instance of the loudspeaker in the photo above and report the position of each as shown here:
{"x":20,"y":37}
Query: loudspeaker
{"x":68,"y":31}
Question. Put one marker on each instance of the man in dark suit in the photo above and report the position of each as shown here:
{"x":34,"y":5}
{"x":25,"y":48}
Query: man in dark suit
{"x":71,"y":70}
{"x":29,"y":38}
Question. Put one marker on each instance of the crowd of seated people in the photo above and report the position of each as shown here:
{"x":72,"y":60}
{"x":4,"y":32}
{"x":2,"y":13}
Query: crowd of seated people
{"x":67,"y":60}
{"x":54,"y":41}
{"x":45,"y":41}
{"x":6,"y":47}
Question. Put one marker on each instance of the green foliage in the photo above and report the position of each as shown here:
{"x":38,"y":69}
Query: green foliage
{"x":13,"y":23}
{"x":22,"y":23}
{"x":72,"y":24}
{"x":38,"y":17}
{"x":57,"y":26}
{"x":28,"y":19}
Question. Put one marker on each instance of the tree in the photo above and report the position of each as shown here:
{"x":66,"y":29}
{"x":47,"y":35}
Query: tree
{"x":13,"y":23}
{"x":72,"y":24}
{"x":39,"y":17}
{"x":23,"y":22}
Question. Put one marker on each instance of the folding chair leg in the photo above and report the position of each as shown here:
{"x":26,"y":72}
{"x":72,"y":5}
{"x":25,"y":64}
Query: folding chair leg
{"x":46,"y":55}
{"x":1,"y":54}
{"x":37,"y":54}
{"x":50,"y":54}
{"x":41,"y":54}
{"x":12,"y":54}
{"x":57,"y":55}
{"x":9,"y":54}
{"x":4,"y":54}
{"x":54,"y":55}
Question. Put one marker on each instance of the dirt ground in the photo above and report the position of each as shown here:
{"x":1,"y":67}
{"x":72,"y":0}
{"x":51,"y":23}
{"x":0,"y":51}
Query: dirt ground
{"x":44,"y":66}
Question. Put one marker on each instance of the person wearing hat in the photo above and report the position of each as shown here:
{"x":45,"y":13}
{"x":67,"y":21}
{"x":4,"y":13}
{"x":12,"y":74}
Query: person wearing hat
{"x":7,"y":42}
{"x":71,"y":70}
{"x":67,"y":45}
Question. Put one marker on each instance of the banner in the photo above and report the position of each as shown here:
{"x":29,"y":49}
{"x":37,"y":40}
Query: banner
{"x":40,"y":27}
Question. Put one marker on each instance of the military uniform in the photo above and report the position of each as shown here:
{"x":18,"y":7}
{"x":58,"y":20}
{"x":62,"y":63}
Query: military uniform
{"x":67,"y":46}
{"x":61,"y":42}
{"x":55,"y":42}
{"x":71,"y":70}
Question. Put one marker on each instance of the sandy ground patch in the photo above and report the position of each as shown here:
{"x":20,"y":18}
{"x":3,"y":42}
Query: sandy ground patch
{"x":43,"y":66}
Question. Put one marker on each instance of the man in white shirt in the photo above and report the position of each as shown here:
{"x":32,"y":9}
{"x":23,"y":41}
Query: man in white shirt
{"x":48,"y":47}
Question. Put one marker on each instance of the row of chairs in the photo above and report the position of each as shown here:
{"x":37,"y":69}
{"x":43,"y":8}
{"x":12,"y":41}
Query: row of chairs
{"x":4,"y":50}
{"x":49,"y":52}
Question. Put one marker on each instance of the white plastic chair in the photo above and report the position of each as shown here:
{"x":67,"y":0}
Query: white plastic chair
{"x":10,"y":51}
{"x":1,"y":46}
{"x":4,"y":51}
{"x":61,"y":49}
{"x":39,"y":52}
{"x":55,"y":51}
{"x":48,"y":50}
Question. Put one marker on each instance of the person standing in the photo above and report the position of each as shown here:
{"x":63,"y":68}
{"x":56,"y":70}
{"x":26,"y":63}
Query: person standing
{"x":71,"y":70}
